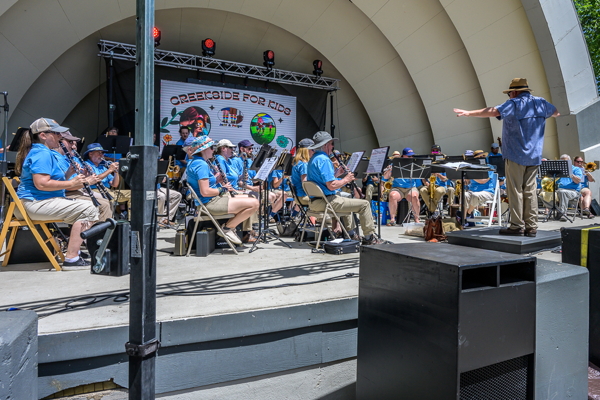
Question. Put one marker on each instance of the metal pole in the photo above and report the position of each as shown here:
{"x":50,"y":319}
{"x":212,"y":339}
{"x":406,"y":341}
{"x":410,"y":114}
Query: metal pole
{"x":111,"y":106}
{"x":143,"y":344}
{"x":331,"y":112}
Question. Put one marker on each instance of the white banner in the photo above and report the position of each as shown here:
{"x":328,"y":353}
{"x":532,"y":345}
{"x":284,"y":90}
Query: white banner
{"x":225,"y":113}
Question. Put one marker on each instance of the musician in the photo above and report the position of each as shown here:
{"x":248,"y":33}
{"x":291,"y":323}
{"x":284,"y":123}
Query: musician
{"x":442,"y":187}
{"x":214,"y":194}
{"x":320,"y":170}
{"x":299,"y":169}
{"x":43,"y":185}
{"x":586,"y":193}
{"x":403,"y":188}
{"x":108,"y":173}
{"x":479,"y":192}
{"x":370,"y":183}
{"x":495,"y":150}
{"x":569,"y":188}
{"x":70,"y":143}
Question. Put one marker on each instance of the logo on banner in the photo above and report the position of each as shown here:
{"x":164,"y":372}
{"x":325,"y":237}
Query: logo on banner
{"x":231,"y":117}
{"x":262,"y":128}
{"x":196,"y":118}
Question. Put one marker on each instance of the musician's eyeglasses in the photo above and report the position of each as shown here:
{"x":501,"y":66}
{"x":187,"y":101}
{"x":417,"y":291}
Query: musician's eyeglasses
{"x":578,"y":161}
{"x":56,"y":133}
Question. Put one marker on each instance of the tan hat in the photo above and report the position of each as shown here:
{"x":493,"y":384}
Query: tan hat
{"x":518,"y":85}
{"x":396,"y":153}
{"x":46,"y":125}
{"x":480,"y":154}
{"x":225,"y":143}
{"x":67,"y":135}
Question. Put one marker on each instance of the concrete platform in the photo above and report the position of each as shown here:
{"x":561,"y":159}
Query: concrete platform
{"x":290,"y":307}
{"x":490,"y":239}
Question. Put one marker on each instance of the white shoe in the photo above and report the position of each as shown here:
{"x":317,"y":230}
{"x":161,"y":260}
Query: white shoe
{"x":230,"y":234}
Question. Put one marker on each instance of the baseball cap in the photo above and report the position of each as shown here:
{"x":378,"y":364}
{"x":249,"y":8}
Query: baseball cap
{"x":245,"y":143}
{"x":407,"y":151}
{"x":225,"y":143}
{"x":304,"y":143}
{"x":67,"y":135}
{"x":495,"y":145}
{"x":46,"y":125}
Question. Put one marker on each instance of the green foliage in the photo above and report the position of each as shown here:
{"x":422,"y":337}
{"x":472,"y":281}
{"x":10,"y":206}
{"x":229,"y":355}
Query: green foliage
{"x":589,"y":16}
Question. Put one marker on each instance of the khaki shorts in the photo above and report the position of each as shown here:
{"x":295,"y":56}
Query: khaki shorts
{"x":218,"y":205}
{"x":404,"y":191}
{"x":59,"y":208}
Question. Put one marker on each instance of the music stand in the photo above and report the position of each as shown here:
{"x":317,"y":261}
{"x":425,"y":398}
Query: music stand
{"x":498,"y":162}
{"x":172,"y":150}
{"x":377,"y":162}
{"x":264,"y":232}
{"x":411,"y":168}
{"x":556,"y":169}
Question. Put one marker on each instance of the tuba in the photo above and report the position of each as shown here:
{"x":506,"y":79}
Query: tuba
{"x":548,"y":184}
{"x":591,"y":167}
{"x":173,"y":170}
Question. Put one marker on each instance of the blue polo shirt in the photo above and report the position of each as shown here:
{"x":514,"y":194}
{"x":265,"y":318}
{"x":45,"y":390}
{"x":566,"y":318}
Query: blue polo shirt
{"x":439,"y":182}
{"x":100,"y":169}
{"x":277,"y":173}
{"x":489,"y":186}
{"x":405,"y":183}
{"x":297,"y":171}
{"x":524,"y":121}
{"x":40,"y":160}
{"x":229,"y":169}
{"x":567,"y":183}
{"x":320,"y":171}
{"x":238,"y":164}
{"x":198,"y":169}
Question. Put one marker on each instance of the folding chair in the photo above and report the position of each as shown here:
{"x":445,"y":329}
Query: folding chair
{"x":201,"y":209}
{"x":315,"y":192}
{"x":11,"y":222}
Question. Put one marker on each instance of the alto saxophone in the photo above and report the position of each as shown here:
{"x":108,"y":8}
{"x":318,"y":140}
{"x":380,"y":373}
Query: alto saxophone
{"x":431,"y":186}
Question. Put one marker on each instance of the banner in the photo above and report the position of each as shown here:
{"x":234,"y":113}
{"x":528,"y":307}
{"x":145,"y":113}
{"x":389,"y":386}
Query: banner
{"x":225,"y":113}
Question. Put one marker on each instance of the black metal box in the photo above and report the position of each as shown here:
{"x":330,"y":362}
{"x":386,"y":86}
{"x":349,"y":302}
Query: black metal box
{"x":118,"y":251}
{"x":438,"y":321}
{"x":574,"y":242}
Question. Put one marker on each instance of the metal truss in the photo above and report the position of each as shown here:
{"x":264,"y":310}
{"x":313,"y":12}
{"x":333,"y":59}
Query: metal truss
{"x":123,"y":51}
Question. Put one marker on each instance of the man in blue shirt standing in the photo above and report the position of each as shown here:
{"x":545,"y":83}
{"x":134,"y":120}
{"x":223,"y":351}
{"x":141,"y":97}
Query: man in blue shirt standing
{"x":320,"y":171}
{"x":524,"y":122}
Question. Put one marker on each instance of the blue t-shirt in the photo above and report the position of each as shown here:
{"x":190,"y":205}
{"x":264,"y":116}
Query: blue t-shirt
{"x":277,"y":173}
{"x":198,"y":169}
{"x":405,"y":183}
{"x":524,"y":121}
{"x":40,"y":160}
{"x":489,"y":186}
{"x":567,"y":183}
{"x":229,"y":169}
{"x":320,"y":171}
{"x":100,"y":169}
{"x":440,"y":182}
{"x":297,"y":171}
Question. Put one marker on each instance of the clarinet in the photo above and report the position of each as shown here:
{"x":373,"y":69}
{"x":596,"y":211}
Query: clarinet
{"x":103,"y":190}
{"x":216,"y":164}
{"x":353,"y":186}
{"x":245,"y":170}
{"x":76,"y":167}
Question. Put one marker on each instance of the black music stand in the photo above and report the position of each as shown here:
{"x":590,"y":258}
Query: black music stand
{"x":498,"y":162}
{"x":115,"y":144}
{"x":264,"y":232}
{"x":556,"y":169}
{"x":173,"y":150}
{"x":462,"y":174}
{"x":375,"y":168}
{"x":410,"y":168}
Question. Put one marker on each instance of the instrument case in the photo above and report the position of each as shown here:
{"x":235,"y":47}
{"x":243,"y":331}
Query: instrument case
{"x":344,"y":247}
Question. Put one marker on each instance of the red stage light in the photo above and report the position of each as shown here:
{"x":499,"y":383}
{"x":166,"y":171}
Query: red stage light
{"x":317,"y":64}
{"x":208,"y":47}
{"x":269,"y":57}
{"x":157,"y":35}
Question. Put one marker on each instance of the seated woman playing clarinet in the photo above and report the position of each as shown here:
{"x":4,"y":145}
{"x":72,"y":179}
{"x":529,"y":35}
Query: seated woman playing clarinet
{"x":215,"y":192}
{"x":43,"y":185}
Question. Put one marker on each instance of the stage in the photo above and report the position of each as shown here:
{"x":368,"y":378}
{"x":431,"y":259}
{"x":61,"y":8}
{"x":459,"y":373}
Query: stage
{"x":222,"y":318}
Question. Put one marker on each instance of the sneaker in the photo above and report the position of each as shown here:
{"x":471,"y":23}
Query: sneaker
{"x":230,"y":234}
{"x":372,"y":240}
{"x":354,"y":236}
{"x":511,"y":232}
{"x":75,"y":265}
{"x":530,"y":232}
{"x":84,"y":255}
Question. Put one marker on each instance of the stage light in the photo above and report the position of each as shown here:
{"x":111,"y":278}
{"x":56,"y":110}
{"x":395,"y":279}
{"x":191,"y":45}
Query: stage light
{"x":269,"y":57}
{"x":157,"y":36}
{"x":317,"y":64}
{"x":208,"y":47}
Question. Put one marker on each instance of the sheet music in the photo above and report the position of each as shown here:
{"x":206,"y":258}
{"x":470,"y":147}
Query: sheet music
{"x":265,"y":169}
{"x":377,"y":160}
{"x":354,"y":160}
{"x":462,"y":165}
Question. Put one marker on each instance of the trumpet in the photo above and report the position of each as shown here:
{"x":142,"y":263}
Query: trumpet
{"x":591,"y":167}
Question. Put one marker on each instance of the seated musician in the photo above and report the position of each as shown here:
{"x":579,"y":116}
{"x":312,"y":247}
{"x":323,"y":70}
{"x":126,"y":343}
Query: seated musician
{"x":184,"y":133}
{"x":320,"y":171}
{"x":403,"y":188}
{"x":442,"y":187}
{"x":215,"y":194}
{"x":299,"y":169}
{"x":586,"y":193}
{"x":569,"y":188}
{"x":108,"y":173}
{"x":70,"y":142}
{"x":43,"y":185}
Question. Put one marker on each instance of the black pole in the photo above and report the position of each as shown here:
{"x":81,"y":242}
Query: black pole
{"x":331,"y":112}
{"x":111,"y":106}
{"x":143,"y":344}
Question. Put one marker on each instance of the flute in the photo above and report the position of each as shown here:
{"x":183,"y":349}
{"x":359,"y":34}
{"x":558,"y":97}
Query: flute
{"x":103,"y":190}
{"x":77,"y":168}
{"x":216,"y":164}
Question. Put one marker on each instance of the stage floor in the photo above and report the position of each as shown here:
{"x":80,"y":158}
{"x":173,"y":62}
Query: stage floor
{"x":222,"y":283}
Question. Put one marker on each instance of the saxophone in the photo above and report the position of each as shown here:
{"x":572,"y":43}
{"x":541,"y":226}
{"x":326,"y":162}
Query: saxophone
{"x":432,"y":186}
{"x":458,"y":188}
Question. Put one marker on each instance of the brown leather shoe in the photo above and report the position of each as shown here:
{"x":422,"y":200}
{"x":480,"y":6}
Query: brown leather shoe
{"x":511,"y":232}
{"x":531,"y":232}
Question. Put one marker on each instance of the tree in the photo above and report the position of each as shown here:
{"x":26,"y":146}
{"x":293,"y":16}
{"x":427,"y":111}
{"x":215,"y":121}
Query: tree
{"x":589,"y":17}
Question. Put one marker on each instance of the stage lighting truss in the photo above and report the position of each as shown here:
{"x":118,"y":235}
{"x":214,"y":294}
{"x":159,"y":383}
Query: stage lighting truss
{"x":123,"y":51}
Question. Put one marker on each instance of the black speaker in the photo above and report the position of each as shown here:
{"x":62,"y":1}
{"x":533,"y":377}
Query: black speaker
{"x":118,"y":251}
{"x":445,"y":322}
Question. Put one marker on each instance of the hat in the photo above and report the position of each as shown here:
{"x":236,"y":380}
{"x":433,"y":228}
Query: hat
{"x":245,"y":143}
{"x":203,"y":144}
{"x":495,"y":145}
{"x":321,"y":138}
{"x":407,"y":151}
{"x":190,"y":139}
{"x":480,"y":154}
{"x":436,"y":147}
{"x":45,"y":125}
{"x":396,"y":153}
{"x":468,"y":152}
{"x":67,"y":135}
{"x":93,"y":147}
{"x":304,"y":143}
{"x":518,"y":85}
{"x":225,"y":143}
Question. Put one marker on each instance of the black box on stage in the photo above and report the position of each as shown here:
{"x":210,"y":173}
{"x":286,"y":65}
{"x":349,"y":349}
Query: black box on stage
{"x":444,"y":322}
{"x":119,"y":250}
{"x":205,"y":242}
{"x":403,"y":209}
{"x":26,"y":249}
{"x":572,"y":244}
{"x":219,"y":242}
